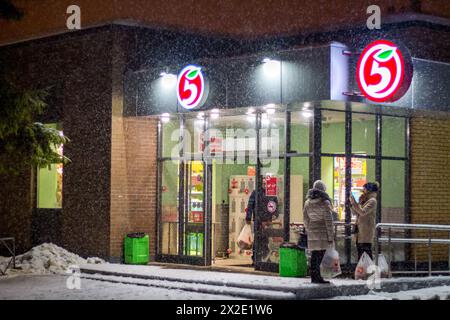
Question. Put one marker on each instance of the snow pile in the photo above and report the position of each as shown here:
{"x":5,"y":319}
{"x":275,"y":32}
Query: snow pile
{"x":47,"y":258}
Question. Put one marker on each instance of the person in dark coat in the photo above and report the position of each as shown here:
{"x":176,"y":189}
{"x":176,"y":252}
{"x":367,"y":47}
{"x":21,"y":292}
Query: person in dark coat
{"x":267,"y":211}
{"x":318,"y":220}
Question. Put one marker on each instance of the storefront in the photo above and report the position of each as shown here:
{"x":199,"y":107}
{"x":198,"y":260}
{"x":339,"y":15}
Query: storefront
{"x":205,"y":192}
{"x":282,"y":120}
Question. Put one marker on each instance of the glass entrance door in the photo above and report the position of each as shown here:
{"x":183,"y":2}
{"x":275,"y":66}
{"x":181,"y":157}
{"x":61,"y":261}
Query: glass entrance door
{"x":193,"y":215}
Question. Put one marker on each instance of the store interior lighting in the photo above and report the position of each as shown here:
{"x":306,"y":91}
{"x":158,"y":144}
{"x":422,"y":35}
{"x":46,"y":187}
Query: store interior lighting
{"x":265,"y":121}
{"x":250,"y":111}
{"x":270,"y":108}
{"x":214,"y":114}
{"x":200,"y":121}
{"x":307,"y":113}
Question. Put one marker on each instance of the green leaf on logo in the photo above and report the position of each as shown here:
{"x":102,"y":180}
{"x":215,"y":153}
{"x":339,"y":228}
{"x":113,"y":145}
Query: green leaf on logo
{"x":191,"y":75}
{"x":386,"y":54}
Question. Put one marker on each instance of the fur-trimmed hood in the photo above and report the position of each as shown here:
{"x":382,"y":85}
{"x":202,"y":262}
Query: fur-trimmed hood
{"x":318,"y":194}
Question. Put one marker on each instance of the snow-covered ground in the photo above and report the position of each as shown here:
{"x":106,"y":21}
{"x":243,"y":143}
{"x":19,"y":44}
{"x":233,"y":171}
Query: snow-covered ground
{"x":42,"y":275}
{"x":53,"y":287}
{"x":435,"y":293}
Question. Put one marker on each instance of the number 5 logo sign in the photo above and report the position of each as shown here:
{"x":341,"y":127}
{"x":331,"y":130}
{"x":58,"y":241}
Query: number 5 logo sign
{"x":191,"y":87}
{"x":383,"y":73}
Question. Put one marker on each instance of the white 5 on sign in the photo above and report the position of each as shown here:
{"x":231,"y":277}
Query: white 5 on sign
{"x":191,"y":87}
{"x":383,"y":73}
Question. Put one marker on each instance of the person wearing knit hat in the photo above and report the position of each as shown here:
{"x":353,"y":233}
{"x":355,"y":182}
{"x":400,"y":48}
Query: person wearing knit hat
{"x":318,"y":221}
{"x":320,"y":185}
{"x":366,"y":211}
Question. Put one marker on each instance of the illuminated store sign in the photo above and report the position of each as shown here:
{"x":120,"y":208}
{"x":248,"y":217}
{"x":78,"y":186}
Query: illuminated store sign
{"x":383,"y":72}
{"x":191,"y":87}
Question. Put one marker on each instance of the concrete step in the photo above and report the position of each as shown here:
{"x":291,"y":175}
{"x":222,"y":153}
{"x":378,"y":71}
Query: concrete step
{"x":256,"y":286}
{"x":256,"y":294}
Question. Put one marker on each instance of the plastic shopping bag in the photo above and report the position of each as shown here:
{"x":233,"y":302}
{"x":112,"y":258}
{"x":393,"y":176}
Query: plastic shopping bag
{"x":383,"y":266}
{"x":363,"y":270}
{"x":330,"y":266}
{"x":245,"y":239}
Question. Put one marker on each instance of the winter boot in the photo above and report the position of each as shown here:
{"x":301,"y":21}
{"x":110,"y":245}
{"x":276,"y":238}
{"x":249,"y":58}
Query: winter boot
{"x":316,"y":259}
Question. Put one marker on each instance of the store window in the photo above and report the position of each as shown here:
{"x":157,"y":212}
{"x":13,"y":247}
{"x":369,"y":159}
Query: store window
{"x":333,"y":174}
{"x":193,"y":136}
{"x":272,"y":133}
{"x":169,"y":207}
{"x":393,"y":201}
{"x":363,"y":134}
{"x":333,"y":132}
{"x":299,"y":184}
{"x":300,"y":129}
{"x":171,"y":136}
{"x":393,"y":136}
{"x":50,"y":182}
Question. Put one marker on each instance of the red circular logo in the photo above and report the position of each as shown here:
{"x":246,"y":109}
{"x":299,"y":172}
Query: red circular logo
{"x":382,"y":73}
{"x":190,"y":87}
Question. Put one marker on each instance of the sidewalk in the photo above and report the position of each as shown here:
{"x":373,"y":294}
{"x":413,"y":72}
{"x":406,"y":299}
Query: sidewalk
{"x":247,"y":285}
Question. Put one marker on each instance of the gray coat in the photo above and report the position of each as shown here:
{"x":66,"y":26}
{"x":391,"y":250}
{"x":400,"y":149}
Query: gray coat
{"x":318,"y":220}
{"x":365,"y":219}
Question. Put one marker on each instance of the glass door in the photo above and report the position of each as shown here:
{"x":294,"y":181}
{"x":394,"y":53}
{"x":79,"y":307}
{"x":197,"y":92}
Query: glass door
{"x":194,"y":209}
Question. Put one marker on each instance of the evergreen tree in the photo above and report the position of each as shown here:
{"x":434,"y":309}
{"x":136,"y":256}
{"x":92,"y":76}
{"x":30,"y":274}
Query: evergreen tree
{"x":24,"y":142}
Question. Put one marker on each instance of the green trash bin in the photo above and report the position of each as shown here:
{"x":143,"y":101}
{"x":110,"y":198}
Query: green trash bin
{"x":293,"y":262}
{"x":136,"y":249}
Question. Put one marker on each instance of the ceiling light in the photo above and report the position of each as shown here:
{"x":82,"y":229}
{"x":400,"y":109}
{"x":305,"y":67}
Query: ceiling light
{"x":214,"y":113}
{"x":165,"y":118}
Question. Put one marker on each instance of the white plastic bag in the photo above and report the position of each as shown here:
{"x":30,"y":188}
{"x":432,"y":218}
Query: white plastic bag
{"x":330,"y":266}
{"x":245,"y":239}
{"x":383,"y":266}
{"x":362,"y":268}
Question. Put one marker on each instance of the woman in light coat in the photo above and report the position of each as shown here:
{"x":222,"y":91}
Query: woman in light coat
{"x":318,"y":220}
{"x":366,"y":212}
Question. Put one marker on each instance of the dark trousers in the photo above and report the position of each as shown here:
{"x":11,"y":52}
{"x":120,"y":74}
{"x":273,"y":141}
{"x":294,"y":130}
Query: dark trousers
{"x":364,"y":247}
{"x":263,"y":243}
{"x":316,"y":260}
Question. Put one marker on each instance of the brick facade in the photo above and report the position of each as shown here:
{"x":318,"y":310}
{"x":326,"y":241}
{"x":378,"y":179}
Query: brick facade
{"x":134,"y":180}
{"x":430,"y":179}
{"x":77,"y":68}
{"x":16,"y":208}
{"x":109,"y":188}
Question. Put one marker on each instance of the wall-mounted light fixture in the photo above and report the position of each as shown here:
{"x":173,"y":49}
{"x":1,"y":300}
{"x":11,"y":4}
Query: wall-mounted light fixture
{"x":168,"y":80}
{"x":272,"y":68}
